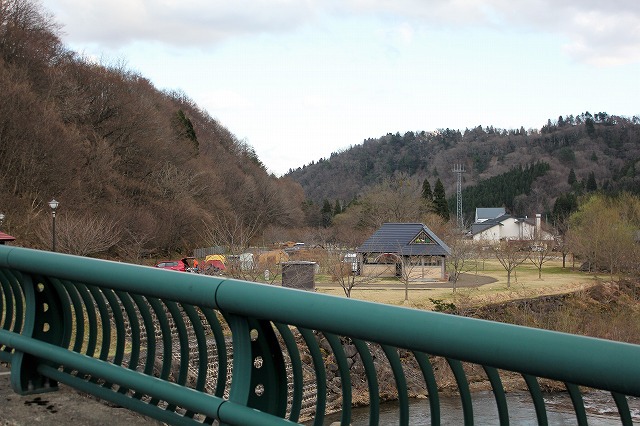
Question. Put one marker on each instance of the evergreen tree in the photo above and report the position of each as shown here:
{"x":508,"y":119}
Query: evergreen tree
{"x":312,"y":214}
{"x":563,"y":207}
{"x":427,"y":194}
{"x":186,"y":128}
{"x":590,"y":126}
{"x":591,"y":183}
{"x":503,"y":189}
{"x":337,"y":209}
{"x":441,"y":207}
{"x":572,"y":177}
{"x":327,"y":213}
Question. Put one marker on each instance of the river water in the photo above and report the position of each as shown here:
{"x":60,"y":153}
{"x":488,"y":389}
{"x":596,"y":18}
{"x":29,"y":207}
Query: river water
{"x":601,"y":410}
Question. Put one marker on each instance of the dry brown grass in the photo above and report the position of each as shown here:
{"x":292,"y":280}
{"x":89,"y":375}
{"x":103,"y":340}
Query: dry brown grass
{"x":525,"y":284}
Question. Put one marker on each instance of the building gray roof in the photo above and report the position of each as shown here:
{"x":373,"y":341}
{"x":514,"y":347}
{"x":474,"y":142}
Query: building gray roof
{"x":487,"y":213}
{"x":479,"y":227}
{"x":401,"y":238}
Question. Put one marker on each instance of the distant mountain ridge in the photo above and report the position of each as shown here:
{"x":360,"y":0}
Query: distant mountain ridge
{"x":605,"y":146}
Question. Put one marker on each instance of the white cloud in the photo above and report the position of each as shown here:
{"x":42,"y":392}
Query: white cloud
{"x":194,"y":22}
{"x":605,"y":38}
{"x":598,"y":32}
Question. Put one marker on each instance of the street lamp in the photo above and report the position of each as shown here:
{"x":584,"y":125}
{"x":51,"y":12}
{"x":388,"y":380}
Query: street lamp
{"x":54,"y":205}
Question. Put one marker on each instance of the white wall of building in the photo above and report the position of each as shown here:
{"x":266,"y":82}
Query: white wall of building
{"x":511,"y":229}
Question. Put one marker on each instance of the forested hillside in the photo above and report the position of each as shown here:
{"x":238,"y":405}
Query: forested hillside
{"x":599,"y":149}
{"x":141,"y":170}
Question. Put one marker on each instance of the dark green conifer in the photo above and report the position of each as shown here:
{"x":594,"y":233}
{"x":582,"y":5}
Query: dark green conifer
{"x":337,"y":209}
{"x":441,"y":208}
{"x":427,"y":194}
{"x":572,"y":177}
{"x":327,"y":213}
{"x":591,"y":185}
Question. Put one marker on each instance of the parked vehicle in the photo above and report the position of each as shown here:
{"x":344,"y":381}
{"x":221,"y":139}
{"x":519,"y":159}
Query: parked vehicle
{"x":181,"y":265}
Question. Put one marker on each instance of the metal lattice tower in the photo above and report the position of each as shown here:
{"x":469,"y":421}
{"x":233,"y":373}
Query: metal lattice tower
{"x":459,"y":170}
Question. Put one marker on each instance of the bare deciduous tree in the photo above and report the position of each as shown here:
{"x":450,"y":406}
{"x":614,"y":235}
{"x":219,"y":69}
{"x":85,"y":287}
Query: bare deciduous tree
{"x":459,"y":261}
{"x":175,"y":183}
{"x":540,"y":253}
{"x":139,"y":230}
{"x":82,"y":235}
{"x":132,"y":244}
{"x":231,"y":232}
{"x":27,"y":33}
{"x":395,"y":200}
{"x":510,"y":254}
{"x":234,"y":235}
{"x":347,"y":230}
{"x":344,"y":272}
{"x":407,"y":265}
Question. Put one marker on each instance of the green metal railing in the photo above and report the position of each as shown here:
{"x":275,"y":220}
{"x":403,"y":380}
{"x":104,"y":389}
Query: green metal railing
{"x":192,"y":349}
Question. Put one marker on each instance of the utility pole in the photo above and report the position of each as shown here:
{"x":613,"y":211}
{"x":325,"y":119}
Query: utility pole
{"x":458,"y":169}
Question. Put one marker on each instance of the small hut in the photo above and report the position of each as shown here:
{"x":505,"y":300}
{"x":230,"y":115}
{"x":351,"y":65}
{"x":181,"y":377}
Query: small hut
{"x":5,"y":238}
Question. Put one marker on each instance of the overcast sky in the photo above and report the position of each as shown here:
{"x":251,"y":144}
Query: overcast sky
{"x":300,"y":79}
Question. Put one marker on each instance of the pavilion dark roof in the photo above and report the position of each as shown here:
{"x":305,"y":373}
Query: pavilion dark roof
{"x":397,"y":238}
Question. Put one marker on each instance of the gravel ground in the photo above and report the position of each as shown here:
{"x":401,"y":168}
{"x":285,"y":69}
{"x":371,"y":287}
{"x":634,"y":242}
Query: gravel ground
{"x":65,"y":406}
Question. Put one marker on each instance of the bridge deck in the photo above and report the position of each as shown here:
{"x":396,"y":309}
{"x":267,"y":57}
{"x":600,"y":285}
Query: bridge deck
{"x":66,"y":406}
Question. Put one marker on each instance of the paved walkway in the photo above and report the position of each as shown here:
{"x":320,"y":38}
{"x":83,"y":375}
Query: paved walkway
{"x":63,"y":407}
{"x":465,"y":280}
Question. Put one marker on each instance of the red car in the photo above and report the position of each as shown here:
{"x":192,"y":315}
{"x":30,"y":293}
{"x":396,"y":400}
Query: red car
{"x":181,"y":265}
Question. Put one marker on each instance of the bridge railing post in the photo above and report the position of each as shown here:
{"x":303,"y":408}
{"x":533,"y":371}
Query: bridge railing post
{"x":259,"y":371}
{"x":43,"y":321}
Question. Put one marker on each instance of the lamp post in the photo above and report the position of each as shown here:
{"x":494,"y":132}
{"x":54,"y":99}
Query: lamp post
{"x":54,"y":205}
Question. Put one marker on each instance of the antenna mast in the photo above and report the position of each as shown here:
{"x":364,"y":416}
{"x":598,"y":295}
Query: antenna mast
{"x":458,"y":169}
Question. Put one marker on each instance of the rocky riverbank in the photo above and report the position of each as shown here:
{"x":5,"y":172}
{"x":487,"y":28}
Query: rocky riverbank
{"x":607,"y":310}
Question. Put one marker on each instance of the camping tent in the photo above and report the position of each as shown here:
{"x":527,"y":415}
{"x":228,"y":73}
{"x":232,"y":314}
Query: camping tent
{"x":215,"y":261}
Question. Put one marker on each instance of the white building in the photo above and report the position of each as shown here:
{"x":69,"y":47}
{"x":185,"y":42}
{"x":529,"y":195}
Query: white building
{"x":494,"y":224}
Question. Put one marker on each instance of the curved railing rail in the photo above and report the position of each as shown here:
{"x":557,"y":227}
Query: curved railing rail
{"x":191,"y":349}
